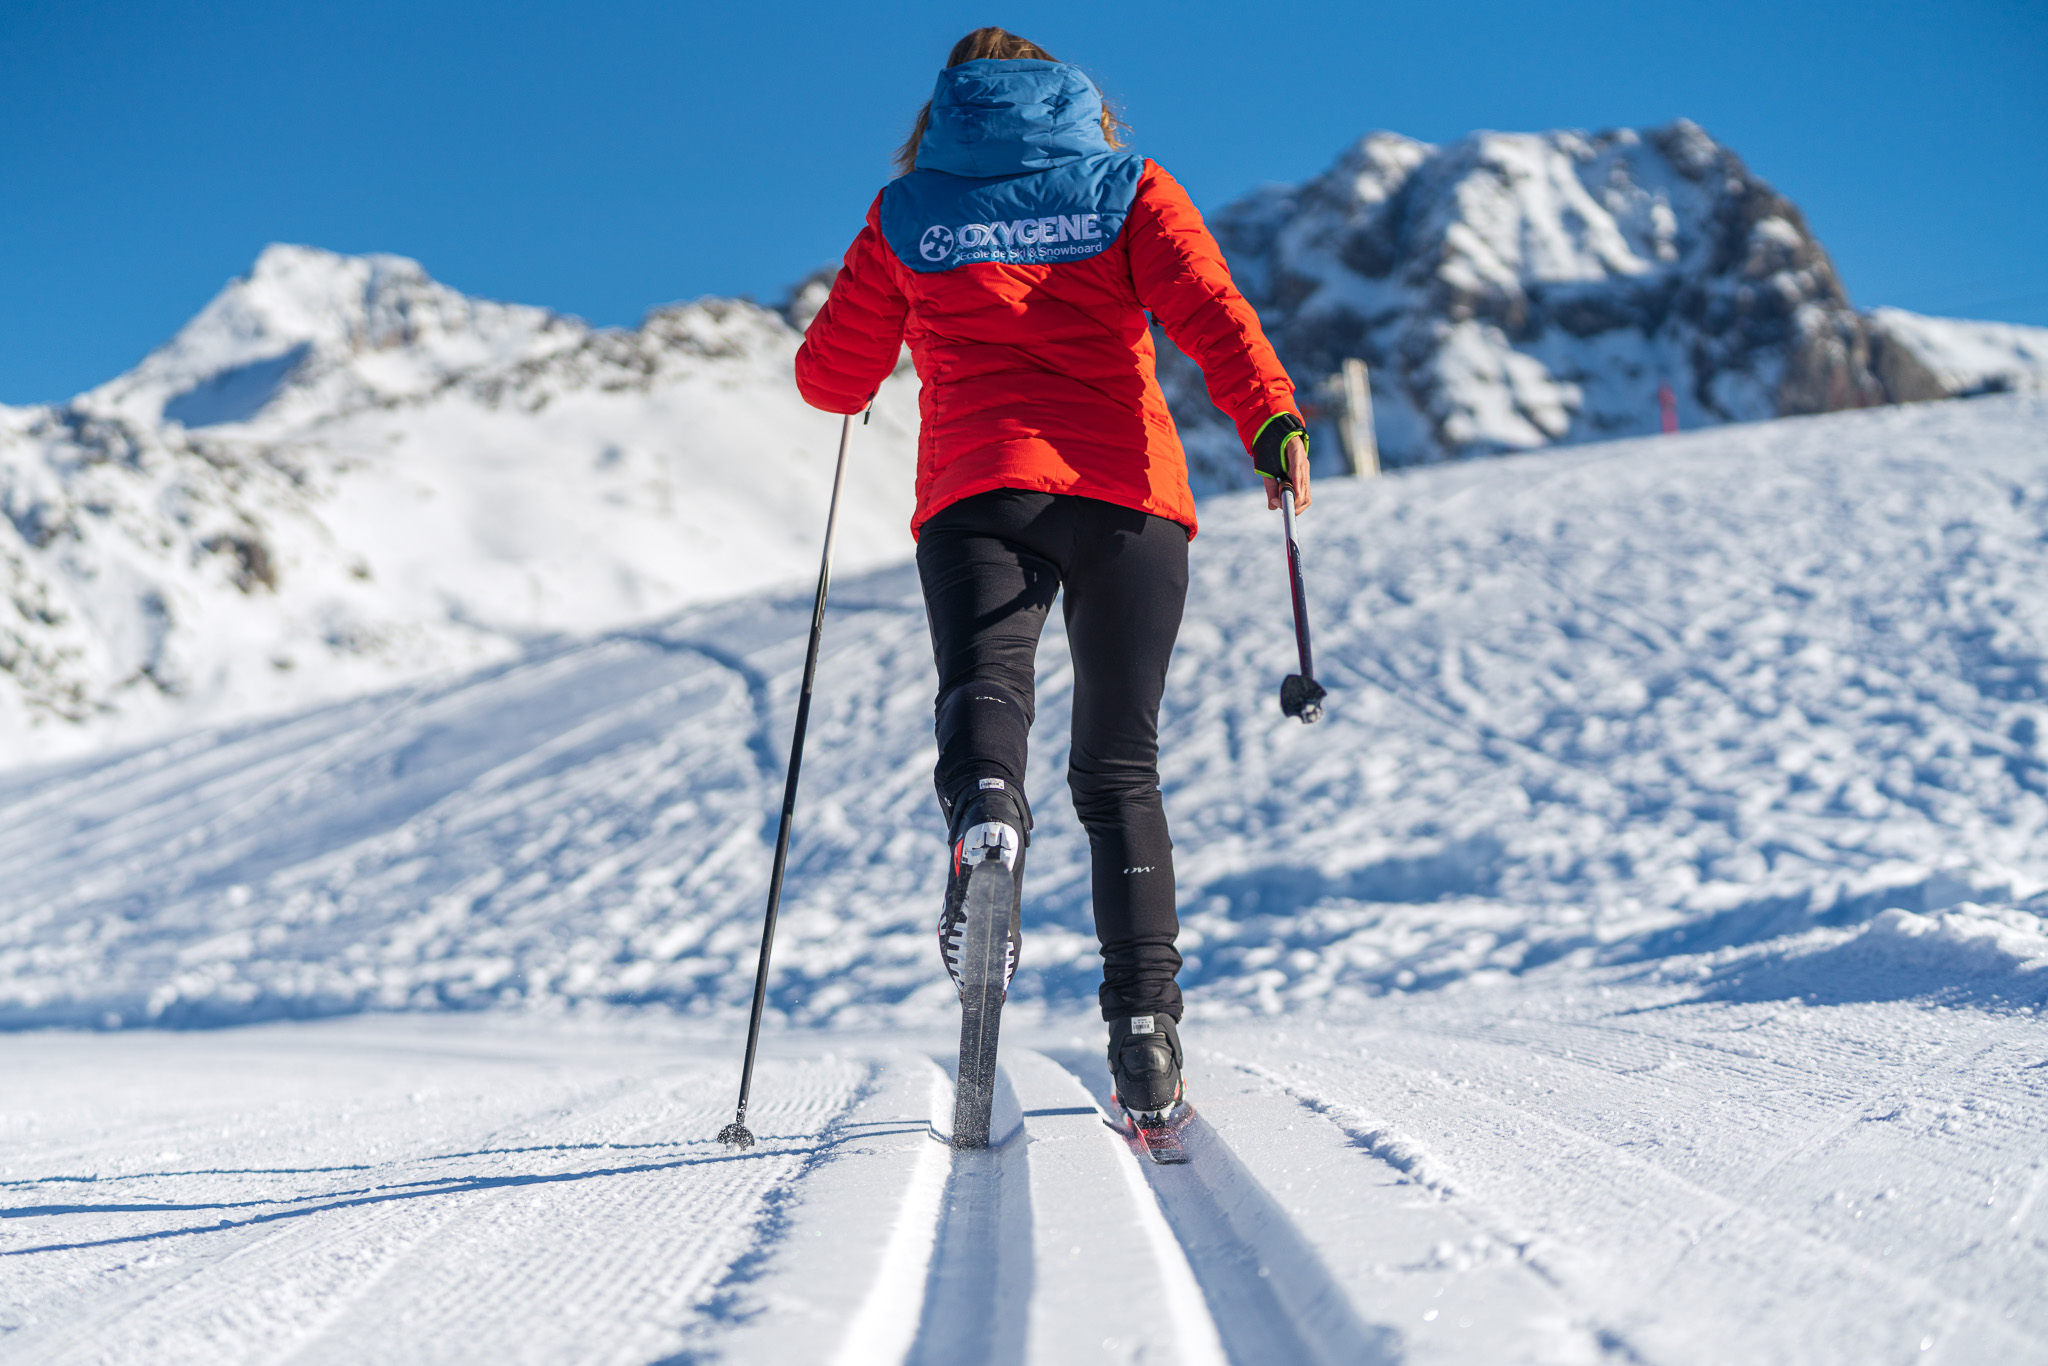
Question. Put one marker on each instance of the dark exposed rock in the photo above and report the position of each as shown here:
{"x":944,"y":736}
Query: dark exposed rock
{"x":254,"y":567}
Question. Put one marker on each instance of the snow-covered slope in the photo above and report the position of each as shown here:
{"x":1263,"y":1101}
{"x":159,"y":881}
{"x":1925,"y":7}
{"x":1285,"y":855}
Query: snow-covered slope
{"x":1515,"y":290}
{"x":342,"y":475}
{"x":1657,"y":701}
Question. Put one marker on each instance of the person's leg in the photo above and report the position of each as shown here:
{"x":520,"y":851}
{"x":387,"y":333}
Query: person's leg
{"x":987,"y":588}
{"x":1126,"y":585}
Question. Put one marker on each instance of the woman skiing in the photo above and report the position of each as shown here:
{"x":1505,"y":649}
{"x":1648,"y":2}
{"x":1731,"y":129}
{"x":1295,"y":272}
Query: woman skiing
{"x":1018,"y":255}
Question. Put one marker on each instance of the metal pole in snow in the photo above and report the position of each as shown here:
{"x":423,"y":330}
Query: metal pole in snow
{"x":736,"y":1134}
{"x":1667,"y":403}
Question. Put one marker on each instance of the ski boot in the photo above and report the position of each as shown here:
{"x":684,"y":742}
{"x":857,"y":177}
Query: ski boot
{"x":1144,"y":1061}
{"x":979,"y":937}
{"x":989,"y":835}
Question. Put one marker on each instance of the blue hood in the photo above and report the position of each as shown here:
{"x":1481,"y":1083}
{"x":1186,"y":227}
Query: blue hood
{"x":1001,"y":118}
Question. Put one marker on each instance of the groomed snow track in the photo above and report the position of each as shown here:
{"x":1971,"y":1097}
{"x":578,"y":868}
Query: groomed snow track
{"x":1506,"y":1177}
{"x":463,"y":1190}
{"x":1061,"y":1244}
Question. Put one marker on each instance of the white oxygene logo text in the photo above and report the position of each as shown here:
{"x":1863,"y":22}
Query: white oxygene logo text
{"x":1025,"y":232}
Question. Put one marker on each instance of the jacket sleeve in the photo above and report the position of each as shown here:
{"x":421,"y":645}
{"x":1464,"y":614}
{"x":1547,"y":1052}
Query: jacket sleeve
{"x":1183,"y":282}
{"x":852,"y":345}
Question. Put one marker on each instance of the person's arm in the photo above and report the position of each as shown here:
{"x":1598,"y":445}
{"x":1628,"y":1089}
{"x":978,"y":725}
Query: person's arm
{"x":1182,"y":281}
{"x":851,"y":346}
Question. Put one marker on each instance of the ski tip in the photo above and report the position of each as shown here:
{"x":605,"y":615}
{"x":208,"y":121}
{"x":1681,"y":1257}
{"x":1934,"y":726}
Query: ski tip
{"x":736,"y":1135}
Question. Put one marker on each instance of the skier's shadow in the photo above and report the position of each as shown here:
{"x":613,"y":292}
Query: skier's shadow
{"x":376,"y":1195}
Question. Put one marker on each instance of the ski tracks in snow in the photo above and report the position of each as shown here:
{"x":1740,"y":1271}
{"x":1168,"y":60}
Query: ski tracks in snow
{"x":1059,"y":1245}
{"x":461,"y":1190}
{"x":342,"y":1193}
{"x":1575,"y":1173}
{"x":1568,"y":1173}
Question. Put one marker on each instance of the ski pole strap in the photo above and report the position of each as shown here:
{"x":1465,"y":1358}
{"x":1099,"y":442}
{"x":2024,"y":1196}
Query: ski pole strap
{"x":1269,"y":447}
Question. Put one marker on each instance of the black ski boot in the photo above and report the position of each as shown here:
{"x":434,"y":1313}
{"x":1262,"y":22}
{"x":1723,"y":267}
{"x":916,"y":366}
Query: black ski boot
{"x":979,"y":937}
{"x":1144,"y":1060}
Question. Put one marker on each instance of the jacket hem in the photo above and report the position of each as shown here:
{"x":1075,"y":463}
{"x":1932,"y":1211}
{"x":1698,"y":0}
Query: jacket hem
{"x":1080,"y":489}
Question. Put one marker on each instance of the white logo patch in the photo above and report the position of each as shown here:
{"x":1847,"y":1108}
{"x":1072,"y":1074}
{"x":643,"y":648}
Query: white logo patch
{"x":996,"y":783}
{"x":936,"y":244}
{"x":1141,"y":1024}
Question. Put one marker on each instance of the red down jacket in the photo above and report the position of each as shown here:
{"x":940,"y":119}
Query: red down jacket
{"x":1038,"y":373}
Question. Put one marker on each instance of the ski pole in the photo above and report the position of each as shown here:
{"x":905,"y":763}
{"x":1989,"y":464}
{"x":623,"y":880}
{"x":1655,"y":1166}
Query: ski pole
{"x":1300,"y":694}
{"x":736,"y":1134}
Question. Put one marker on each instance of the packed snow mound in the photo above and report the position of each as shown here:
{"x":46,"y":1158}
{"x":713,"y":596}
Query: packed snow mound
{"x":1987,"y":956}
{"x":1927,"y":358}
{"x":1698,"y":707}
{"x":1516,"y":290}
{"x":341,"y":476}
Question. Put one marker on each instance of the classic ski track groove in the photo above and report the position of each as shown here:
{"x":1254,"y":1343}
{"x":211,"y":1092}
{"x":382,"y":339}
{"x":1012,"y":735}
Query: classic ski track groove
{"x":1267,"y":1291}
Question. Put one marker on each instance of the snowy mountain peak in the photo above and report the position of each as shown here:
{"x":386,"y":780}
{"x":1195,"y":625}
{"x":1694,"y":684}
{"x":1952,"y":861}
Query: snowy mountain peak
{"x":341,"y":330}
{"x":342,"y":474}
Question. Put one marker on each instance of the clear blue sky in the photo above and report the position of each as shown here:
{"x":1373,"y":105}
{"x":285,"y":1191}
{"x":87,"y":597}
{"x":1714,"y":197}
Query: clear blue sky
{"x":600,"y":158}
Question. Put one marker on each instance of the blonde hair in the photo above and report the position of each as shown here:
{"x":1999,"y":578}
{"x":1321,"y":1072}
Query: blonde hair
{"x":994,"y":44}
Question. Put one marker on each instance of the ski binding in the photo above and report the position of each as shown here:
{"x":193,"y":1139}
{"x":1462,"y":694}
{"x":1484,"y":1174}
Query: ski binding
{"x":1160,"y":1139}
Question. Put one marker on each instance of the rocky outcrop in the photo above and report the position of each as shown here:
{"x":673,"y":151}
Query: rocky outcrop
{"x":1927,"y":358}
{"x":1514,"y":290}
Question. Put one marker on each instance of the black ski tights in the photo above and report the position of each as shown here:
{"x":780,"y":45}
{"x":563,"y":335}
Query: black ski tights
{"x":991,"y":565}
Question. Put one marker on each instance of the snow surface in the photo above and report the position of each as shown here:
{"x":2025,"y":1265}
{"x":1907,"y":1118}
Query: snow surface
{"x":1577,"y":1166}
{"x":1644,"y":961}
{"x":1677,"y":695}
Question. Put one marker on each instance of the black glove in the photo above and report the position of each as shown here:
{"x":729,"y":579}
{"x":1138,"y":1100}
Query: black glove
{"x":1270,"y":445}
